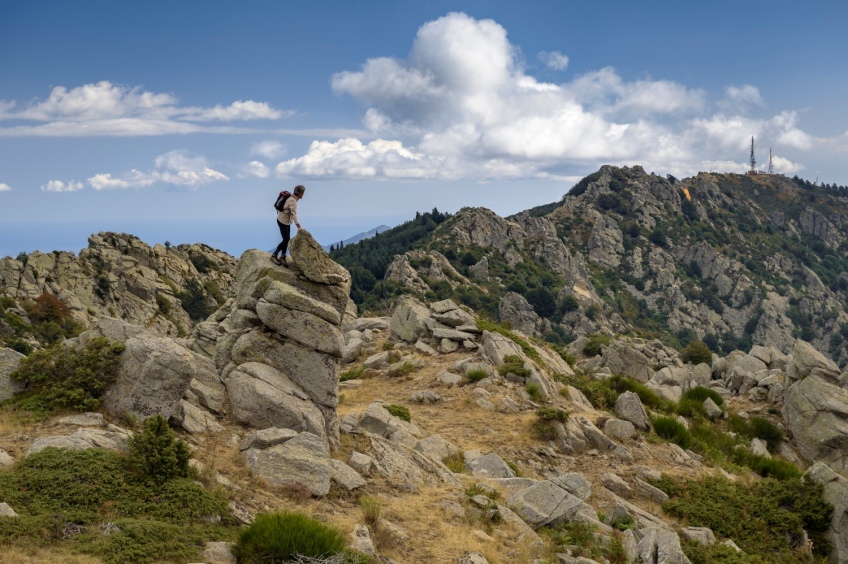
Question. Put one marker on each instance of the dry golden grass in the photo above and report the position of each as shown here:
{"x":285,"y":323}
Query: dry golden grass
{"x":25,"y":555}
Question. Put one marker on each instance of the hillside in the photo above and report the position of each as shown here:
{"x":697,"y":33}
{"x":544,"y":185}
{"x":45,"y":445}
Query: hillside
{"x":747,"y":260}
{"x":534,"y":406}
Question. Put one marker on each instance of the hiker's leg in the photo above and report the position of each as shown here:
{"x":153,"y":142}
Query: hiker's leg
{"x":285,"y":231}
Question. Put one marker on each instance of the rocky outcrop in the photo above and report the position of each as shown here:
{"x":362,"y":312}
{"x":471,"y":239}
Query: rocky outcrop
{"x":518,"y":312}
{"x":118,"y":275}
{"x":300,"y":460}
{"x":836,"y":494}
{"x":410,"y":270}
{"x":9,"y":362}
{"x":280,"y":343}
{"x":816,"y":412}
{"x":816,"y":224}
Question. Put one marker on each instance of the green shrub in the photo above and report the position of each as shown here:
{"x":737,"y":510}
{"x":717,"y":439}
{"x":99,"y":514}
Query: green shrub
{"x":649,"y":398}
{"x":513,"y":364}
{"x":455,"y":462}
{"x":157,"y":453}
{"x":371,"y":507}
{"x":552,"y":414}
{"x":70,"y":377}
{"x":405,"y":368}
{"x":278,"y":537}
{"x":699,"y":393}
{"x":352,"y":374}
{"x":89,"y":488}
{"x":764,"y":429}
{"x":399,"y":411}
{"x":760,"y":517}
{"x":598,"y":392}
{"x":696,"y":352}
{"x":534,"y":391}
{"x":388,"y":345}
{"x":477,"y":374}
{"x":514,"y":467}
{"x":672,"y":430}
{"x":596,"y":344}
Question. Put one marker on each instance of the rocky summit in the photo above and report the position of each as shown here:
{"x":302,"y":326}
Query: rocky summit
{"x":650,"y":370}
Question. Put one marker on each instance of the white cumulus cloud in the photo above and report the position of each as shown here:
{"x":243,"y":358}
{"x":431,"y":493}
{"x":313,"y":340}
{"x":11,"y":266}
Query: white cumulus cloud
{"x":257,"y":169}
{"x":5,"y":187}
{"x":269,"y":149}
{"x":59,"y":186}
{"x":104,"y":108}
{"x":177,"y":168}
{"x":554,"y":60}
{"x":462,"y":104}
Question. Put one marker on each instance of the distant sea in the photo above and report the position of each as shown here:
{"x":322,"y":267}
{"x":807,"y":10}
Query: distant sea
{"x":232,"y":236}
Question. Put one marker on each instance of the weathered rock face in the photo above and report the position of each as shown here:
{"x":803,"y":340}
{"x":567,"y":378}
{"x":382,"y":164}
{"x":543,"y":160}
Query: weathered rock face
{"x":9,"y":362}
{"x":409,"y":269}
{"x":159,"y":375}
{"x":118,"y":275}
{"x":280,"y":342}
{"x":836,"y":494}
{"x":518,"y":312}
{"x":816,"y":411}
{"x":302,"y":459}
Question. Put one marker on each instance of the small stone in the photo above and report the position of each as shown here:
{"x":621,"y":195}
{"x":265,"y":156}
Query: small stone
{"x":6,"y":511}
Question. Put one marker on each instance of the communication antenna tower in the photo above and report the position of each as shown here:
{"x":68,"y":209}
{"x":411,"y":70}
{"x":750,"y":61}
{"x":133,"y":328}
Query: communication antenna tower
{"x":771,"y":170}
{"x":753,"y":160}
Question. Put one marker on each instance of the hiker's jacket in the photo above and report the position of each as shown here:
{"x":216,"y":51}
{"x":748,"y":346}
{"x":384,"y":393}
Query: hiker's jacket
{"x":289,"y":213}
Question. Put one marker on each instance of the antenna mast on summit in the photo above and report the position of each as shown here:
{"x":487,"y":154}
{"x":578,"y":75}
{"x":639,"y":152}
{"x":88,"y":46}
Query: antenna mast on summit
{"x":771,"y":170}
{"x":753,"y":160}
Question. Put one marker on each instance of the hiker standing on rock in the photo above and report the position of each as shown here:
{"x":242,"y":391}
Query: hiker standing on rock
{"x":285,"y":217}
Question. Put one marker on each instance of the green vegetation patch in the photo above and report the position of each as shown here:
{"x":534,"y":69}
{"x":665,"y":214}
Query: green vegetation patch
{"x":278,"y":537}
{"x":399,"y":411}
{"x":759,"y":517}
{"x":67,"y":377}
{"x":513,"y":365}
{"x":93,"y":502}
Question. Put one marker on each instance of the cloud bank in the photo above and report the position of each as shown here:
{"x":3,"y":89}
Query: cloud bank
{"x":461,"y":104}
{"x":176,"y":168}
{"x":5,"y":187}
{"x":104,"y":108}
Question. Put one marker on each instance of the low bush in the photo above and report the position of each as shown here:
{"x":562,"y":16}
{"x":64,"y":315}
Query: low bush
{"x":534,"y":391}
{"x":278,"y":537}
{"x":477,"y":374}
{"x":599,"y":394}
{"x":595,"y":344}
{"x":672,"y":430}
{"x":513,"y":365}
{"x":552,"y":414}
{"x":399,"y":411}
{"x":455,"y":462}
{"x":766,"y":518}
{"x":58,"y":490}
{"x":699,"y":393}
{"x":696,"y":352}
{"x":157,"y":452}
{"x":352,"y":374}
{"x":70,"y":377}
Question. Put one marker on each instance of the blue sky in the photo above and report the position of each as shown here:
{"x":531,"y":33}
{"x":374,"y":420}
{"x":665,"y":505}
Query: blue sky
{"x":181,"y":120}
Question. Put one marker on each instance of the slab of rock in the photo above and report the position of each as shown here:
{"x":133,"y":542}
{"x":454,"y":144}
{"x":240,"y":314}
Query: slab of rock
{"x":315,"y":263}
{"x":404,"y":465}
{"x":407,"y":322}
{"x":835,"y":493}
{"x":806,"y":357}
{"x":303,"y":459}
{"x":112,"y":438}
{"x":88,"y":419}
{"x":574,"y":483}
{"x":496,"y":347}
{"x":651,"y":492}
{"x":267,"y":438}
{"x":346,"y":477}
{"x":661,"y":546}
{"x":546,"y":503}
{"x":701,"y":535}
{"x":10,"y":360}
{"x":712,"y":409}
{"x":309,"y":330}
{"x":424,"y":348}
{"x":262,"y":397}
{"x":629,"y":407}
{"x":489,"y":465}
{"x":360,"y":462}
{"x":6,"y":510}
{"x":282,"y":294}
{"x":816,"y":412}
{"x":5,"y":459}
{"x":619,"y":429}
{"x":615,"y":484}
{"x":436,"y":447}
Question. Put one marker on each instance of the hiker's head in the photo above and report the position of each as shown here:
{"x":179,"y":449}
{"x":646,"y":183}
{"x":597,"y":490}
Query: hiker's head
{"x":299,"y":190}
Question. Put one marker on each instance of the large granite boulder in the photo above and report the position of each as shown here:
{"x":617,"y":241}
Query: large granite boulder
{"x":407,"y":323}
{"x":629,"y":407}
{"x":302,"y":459}
{"x":315,"y":263}
{"x":816,"y":411}
{"x":9,"y":362}
{"x":520,"y":315}
{"x":836,"y":494}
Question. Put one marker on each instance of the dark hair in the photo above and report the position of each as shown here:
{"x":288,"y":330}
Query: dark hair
{"x":299,"y":189}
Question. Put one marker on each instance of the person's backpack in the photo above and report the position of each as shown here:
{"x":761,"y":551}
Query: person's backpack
{"x":281,"y":200}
